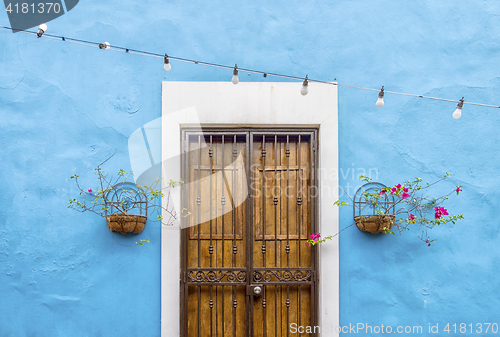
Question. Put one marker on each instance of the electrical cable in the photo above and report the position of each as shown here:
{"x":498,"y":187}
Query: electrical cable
{"x":265,"y":74}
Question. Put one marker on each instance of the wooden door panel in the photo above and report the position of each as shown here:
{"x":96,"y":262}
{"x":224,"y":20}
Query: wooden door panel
{"x":278,"y":192}
{"x":224,"y":188}
{"x":251,"y":207}
{"x":216,"y":251}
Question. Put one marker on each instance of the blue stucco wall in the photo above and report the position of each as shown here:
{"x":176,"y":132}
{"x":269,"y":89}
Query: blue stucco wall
{"x":64,"y":108}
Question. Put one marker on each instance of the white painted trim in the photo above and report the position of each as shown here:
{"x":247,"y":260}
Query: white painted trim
{"x":252,"y":104}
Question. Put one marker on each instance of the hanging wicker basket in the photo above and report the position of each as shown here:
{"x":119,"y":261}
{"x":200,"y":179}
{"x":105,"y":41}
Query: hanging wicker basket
{"x":127,"y":208}
{"x":374,"y":223}
{"x":372,"y":211}
{"x":126,"y":223}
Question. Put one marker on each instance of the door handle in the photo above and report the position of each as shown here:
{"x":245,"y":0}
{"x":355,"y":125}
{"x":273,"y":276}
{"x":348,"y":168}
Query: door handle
{"x":254,"y":290}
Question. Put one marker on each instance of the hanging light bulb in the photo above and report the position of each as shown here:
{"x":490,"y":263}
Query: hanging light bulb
{"x":235,"y":79}
{"x":305,"y":87}
{"x":166,"y":62}
{"x":104,"y":45}
{"x":41,"y":29}
{"x":380,"y":100}
{"x":458,"y":111}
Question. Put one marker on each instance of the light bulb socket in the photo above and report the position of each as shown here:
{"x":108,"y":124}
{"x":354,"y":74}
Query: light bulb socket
{"x":165,"y":59}
{"x":306,"y":82}
{"x":460,"y":104}
{"x":104,"y":45}
{"x":381,"y":93}
{"x":235,"y":70}
{"x":41,"y":29}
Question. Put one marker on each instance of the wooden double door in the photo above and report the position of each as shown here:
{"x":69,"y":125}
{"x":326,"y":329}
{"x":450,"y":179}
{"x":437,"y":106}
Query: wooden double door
{"x":246,"y":267}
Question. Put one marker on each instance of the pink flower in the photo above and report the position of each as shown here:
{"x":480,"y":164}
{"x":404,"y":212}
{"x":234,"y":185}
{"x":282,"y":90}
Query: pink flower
{"x":305,"y":244}
{"x":405,"y":195}
{"x":312,"y":236}
{"x":318,"y":235}
{"x":440,"y":211}
{"x":315,"y":240}
{"x":398,"y":186}
{"x":405,"y":189}
{"x":412,"y":217}
{"x":382,"y":192}
{"x":393,"y":190}
{"x":90,"y":190}
{"x":458,"y":190}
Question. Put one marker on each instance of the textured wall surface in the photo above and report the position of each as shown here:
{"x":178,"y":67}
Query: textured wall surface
{"x":64,"y":108}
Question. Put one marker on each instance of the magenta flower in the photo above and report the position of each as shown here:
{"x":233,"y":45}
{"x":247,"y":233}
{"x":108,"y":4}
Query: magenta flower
{"x":382,"y":192}
{"x":405,"y":189}
{"x":440,"y":211}
{"x":90,"y":190}
{"x":318,"y":235}
{"x":393,"y":190}
{"x":405,"y":195}
{"x":398,"y":186}
{"x":312,"y":236}
{"x":315,"y":240}
{"x":458,"y":190}
{"x":443,"y":210}
{"x":412,"y":217}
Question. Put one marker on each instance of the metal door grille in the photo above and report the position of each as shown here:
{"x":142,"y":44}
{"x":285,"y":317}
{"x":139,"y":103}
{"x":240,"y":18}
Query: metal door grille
{"x":252,"y":197}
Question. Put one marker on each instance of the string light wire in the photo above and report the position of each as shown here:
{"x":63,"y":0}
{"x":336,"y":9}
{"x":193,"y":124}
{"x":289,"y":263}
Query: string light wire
{"x":252,"y":71}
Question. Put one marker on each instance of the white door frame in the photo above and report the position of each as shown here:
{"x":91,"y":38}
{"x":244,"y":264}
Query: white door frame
{"x":278,"y":104}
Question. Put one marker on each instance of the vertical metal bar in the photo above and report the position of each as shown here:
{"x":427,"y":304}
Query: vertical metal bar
{"x":299,"y":222}
{"x":287,"y":201}
{"x":210,"y":154}
{"x":287,"y":310}
{"x":199,"y":225}
{"x":235,"y":249}
{"x":275,"y":200}
{"x":223,"y":202}
{"x":250,"y":139}
{"x":264,"y":325}
{"x":287,"y":232}
{"x":235,"y":154}
{"x":263,"y":221}
{"x":210,"y":248}
{"x":299,"y":198}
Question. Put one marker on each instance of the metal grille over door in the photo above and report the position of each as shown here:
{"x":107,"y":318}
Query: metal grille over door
{"x":252,"y":198}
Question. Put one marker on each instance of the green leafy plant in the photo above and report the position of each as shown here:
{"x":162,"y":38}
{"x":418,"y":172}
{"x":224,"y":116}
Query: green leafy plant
{"x":110,"y":198}
{"x":408,"y":207}
{"x":141,"y":242}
